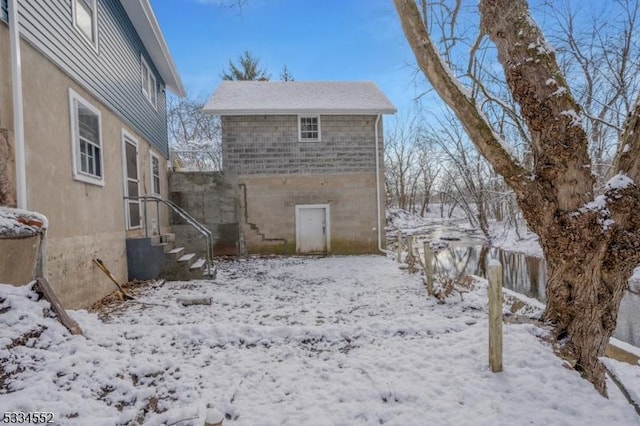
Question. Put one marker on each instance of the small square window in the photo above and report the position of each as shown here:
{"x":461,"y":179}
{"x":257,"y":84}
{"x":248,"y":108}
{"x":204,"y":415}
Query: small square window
{"x":149,"y":88}
{"x":309,"y":128}
{"x":85,"y":18}
{"x":86,"y":139}
{"x":155,"y":175}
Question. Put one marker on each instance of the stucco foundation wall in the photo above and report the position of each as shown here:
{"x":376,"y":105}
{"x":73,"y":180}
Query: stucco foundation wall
{"x":269,"y":205}
{"x":18,"y":257}
{"x":85,"y":220}
{"x":72,"y":274}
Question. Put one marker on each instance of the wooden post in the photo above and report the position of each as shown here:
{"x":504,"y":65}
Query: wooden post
{"x":428,"y":268}
{"x":399,"y":248}
{"x":410,"y":257}
{"x":495,"y":315}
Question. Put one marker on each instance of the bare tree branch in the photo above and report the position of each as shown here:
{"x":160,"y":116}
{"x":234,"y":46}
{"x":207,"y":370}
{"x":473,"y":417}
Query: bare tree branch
{"x":458,"y":99}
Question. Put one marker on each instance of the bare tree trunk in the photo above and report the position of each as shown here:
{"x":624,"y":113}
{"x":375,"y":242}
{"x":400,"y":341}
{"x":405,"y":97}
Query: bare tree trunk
{"x":591,"y":244}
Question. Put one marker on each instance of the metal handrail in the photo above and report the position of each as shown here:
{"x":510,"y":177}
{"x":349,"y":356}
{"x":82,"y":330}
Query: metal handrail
{"x":202,"y":230}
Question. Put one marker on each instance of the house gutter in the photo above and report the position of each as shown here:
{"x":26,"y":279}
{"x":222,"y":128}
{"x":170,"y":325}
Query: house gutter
{"x":18,"y":112}
{"x":378,"y":195}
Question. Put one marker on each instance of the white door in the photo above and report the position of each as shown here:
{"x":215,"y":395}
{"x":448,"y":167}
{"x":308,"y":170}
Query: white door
{"x":312,"y":228}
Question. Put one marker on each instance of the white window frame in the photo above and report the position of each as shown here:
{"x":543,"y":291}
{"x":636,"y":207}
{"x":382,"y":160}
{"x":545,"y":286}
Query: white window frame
{"x":153,"y":156}
{"x":78,"y":174}
{"x":150,"y":88}
{"x":300,"y":138}
{"x":93,"y":41}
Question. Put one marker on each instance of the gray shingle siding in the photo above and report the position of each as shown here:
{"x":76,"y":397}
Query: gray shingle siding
{"x":4,"y":10}
{"x":111,"y":72}
{"x":268,"y":144}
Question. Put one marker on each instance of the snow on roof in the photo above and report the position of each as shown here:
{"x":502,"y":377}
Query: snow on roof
{"x":296,"y":97}
{"x":20,"y":223}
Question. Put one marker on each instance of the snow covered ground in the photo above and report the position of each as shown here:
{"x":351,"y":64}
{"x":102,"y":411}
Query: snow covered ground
{"x":290,"y":341}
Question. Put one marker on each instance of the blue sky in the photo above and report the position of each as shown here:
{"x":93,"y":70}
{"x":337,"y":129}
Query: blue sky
{"x":334,"y":40}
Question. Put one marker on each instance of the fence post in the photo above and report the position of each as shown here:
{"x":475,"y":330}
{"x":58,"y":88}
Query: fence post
{"x":410,"y":257}
{"x":399,"y":248}
{"x":495,"y":315}
{"x":428,"y":268}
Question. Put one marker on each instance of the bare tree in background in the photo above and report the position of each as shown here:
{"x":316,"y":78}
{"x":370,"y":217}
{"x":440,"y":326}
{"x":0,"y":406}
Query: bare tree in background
{"x":466,"y":171}
{"x":601,"y":58}
{"x":194,"y":137}
{"x":401,"y":169}
{"x":430,"y":169}
{"x":591,"y":243}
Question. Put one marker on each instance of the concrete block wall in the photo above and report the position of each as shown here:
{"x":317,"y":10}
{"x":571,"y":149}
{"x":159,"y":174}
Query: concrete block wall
{"x":270,"y":203}
{"x":268,"y":144}
{"x":212,"y":199}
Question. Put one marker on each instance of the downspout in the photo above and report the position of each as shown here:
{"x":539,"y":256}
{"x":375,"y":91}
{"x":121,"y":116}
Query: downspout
{"x":378,"y":196}
{"x":18,"y":116}
{"x":18,"y":130}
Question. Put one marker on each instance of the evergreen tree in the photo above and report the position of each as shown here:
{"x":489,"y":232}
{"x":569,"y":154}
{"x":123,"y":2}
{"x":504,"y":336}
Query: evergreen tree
{"x":247,"y":70}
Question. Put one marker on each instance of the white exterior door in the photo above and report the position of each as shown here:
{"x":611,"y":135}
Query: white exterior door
{"x":312,"y":228}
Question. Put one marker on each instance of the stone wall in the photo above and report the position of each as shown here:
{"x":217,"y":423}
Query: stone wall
{"x":211,"y":198}
{"x":268,"y":144}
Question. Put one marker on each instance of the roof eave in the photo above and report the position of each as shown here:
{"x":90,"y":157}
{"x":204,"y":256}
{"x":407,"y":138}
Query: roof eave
{"x":217,"y":111}
{"x":145,"y":23}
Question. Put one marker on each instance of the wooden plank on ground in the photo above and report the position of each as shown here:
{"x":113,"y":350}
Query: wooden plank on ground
{"x":196,"y":301}
{"x":43,"y":287}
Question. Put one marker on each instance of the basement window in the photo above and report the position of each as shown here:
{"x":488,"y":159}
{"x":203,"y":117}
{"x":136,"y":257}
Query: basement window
{"x":86,"y":140}
{"x":309,"y":128}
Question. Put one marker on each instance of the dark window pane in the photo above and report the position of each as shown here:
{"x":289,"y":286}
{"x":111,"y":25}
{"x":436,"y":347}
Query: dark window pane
{"x":132,"y":187}
{"x":132,"y":161}
{"x":134,"y":214}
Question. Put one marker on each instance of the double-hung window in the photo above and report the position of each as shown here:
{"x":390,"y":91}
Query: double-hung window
{"x":86,"y":140}
{"x":309,"y":128}
{"x":148,"y":83}
{"x":155,"y":175}
{"x":85,"y":18}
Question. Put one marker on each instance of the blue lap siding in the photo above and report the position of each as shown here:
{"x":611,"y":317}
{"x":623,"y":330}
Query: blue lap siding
{"x":110,"y":71}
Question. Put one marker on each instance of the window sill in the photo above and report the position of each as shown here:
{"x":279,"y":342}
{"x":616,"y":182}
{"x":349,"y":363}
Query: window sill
{"x":88,"y":179}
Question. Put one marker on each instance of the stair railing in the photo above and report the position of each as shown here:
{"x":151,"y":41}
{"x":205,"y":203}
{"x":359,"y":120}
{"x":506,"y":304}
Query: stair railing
{"x":202,"y":230}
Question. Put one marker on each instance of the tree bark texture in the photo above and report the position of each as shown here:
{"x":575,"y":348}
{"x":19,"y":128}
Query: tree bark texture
{"x":591,"y":244}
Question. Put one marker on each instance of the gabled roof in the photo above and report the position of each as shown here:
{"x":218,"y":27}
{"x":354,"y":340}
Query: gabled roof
{"x":145,"y":23}
{"x":296,"y":97}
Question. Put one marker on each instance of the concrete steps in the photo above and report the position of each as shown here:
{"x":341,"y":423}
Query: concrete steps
{"x":158,"y":256}
{"x":181,"y":265}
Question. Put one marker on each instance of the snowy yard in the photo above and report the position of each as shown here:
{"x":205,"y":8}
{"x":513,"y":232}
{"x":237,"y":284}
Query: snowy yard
{"x":290,"y":341}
